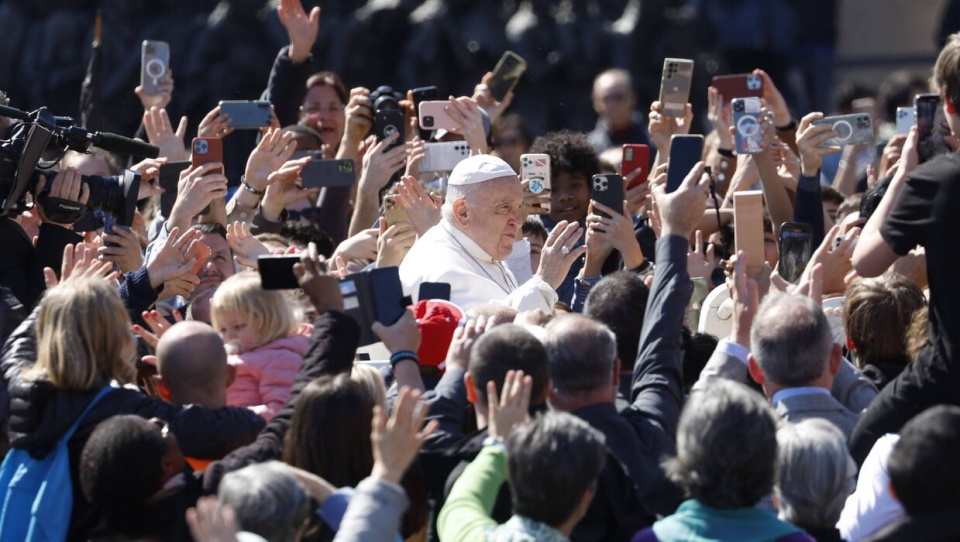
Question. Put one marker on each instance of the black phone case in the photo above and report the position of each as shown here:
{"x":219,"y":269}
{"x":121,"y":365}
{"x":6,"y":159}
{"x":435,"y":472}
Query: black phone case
{"x":323,"y":173}
{"x":276,"y":272}
{"x":387,"y":123}
{"x":685,"y":152}
{"x":796,"y":248}
{"x":373,"y":296}
{"x":506,"y":75}
{"x":424,"y":94}
{"x":607,"y":188}
{"x":168,"y":180}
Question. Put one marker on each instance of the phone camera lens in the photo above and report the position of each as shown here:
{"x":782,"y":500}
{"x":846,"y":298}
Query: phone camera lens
{"x":200,"y":147}
{"x":428,"y":122}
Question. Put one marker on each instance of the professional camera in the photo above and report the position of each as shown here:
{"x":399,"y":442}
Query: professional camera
{"x":384,"y":98}
{"x":22,"y":162}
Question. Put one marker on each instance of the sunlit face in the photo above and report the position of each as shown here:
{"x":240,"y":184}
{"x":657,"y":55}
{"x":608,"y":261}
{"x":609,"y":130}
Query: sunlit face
{"x":831,"y":208}
{"x":323,"y":111}
{"x":569,"y":196}
{"x":771,"y":252}
{"x":237,"y":332}
{"x":219,"y":265}
{"x":536,"y":248}
{"x":494,"y":218}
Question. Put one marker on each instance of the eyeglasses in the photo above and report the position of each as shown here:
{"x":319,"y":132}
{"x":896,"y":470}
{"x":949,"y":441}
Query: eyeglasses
{"x":614,"y":97}
{"x":313,"y":109}
{"x":162,"y":425}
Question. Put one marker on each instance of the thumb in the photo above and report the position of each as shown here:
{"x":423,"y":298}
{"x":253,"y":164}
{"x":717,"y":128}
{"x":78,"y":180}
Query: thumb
{"x":315,"y":15}
{"x":49,"y":277}
{"x":182,"y":128}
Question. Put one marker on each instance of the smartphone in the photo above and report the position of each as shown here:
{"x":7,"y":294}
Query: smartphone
{"x":635,"y":157}
{"x":320,"y":173}
{"x":169,"y":180}
{"x":675,"y":86}
{"x":205,"y":150}
{"x":796,"y":247}
{"x":741,"y":85}
{"x":373,"y":296}
{"x":748,"y":234}
{"x":443,"y":156}
{"x":536,"y":169}
{"x":247,"y":114}
{"x":109,"y":225}
{"x":748,"y":133}
{"x":906,"y":118}
{"x":931,"y":126}
{"x":386,"y":123}
{"x":391,"y":212}
{"x":434,"y":290}
{"x":434,"y":116}
{"x":685,"y":152}
{"x":852,"y":129}
{"x":201,"y":251}
{"x":424,"y":94}
{"x":607,"y":188}
{"x":506,"y":75}
{"x":154,"y":63}
{"x":276,"y":272}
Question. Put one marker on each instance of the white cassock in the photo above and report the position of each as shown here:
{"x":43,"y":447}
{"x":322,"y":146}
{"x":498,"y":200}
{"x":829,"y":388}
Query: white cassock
{"x":447,"y":254}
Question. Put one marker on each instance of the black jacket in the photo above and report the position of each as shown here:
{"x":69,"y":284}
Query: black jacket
{"x":939,"y":526}
{"x":40,"y":414}
{"x":21,"y":268}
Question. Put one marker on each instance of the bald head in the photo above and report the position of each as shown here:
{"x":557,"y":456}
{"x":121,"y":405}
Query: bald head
{"x":791,"y":340}
{"x":613,"y":97}
{"x":582,"y":354}
{"x":192,"y":363}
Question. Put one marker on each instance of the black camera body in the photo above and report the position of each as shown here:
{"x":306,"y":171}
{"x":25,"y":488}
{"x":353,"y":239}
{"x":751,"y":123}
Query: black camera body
{"x":40,"y":132}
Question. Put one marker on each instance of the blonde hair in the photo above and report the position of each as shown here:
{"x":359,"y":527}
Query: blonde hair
{"x":373,"y":383}
{"x":82,"y":332}
{"x":269,"y":311}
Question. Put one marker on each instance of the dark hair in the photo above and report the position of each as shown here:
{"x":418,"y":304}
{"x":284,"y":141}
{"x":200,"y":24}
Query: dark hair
{"x":306,"y":131}
{"x":508,"y":348}
{"x":570,"y":152}
{"x":923,"y":465}
{"x":898,"y":90}
{"x":697,"y":349}
{"x":120,"y":468}
{"x":211,"y":227}
{"x":582,"y":354}
{"x":329,"y":79}
{"x":511,"y":121}
{"x":553,"y":461}
{"x":619,"y":300}
{"x":829,"y":193}
{"x":303,"y":233}
{"x":872,"y":197}
{"x":946,"y":72}
{"x":534,"y":226}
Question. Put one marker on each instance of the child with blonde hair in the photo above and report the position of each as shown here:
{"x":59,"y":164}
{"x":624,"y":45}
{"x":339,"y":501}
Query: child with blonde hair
{"x":264,"y":342}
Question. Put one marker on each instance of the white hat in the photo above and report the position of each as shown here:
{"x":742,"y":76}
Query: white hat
{"x":480,"y":168}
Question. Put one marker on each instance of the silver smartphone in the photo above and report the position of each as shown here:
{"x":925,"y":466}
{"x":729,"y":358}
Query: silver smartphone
{"x":675,"y":86}
{"x":906,"y":118}
{"x":852,"y":129}
{"x":443,"y":156}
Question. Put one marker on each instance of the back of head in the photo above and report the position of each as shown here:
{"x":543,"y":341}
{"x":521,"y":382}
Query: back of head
{"x":552,"y":462}
{"x":193,"y":364}
{"x":120,"y":468}
{"x":304,"y":233}
{"x":619,"y":301}
{"x":508,"y":348}
{"x":923,"y":466}
{"x":876,"y":315}
{"x":570,"y":152}
{"x":791,"y":339}
{"x":946,"y":72}
{"x":582,"y":354}
{"x":270,"y":312}
{"x":332,"y":410}
{"x":815,"y":473}
{"x":83,"y":336}
{"x":267,"y":499}
{"x":726,"y":447}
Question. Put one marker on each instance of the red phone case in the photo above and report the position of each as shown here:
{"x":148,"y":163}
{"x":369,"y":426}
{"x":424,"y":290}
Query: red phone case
{"x":213,"y":151}
{"x":742,"y":85}
{"x":635,"y":157}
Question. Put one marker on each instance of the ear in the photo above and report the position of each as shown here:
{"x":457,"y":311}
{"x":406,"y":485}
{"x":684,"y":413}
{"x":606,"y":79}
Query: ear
{"x":893,"y":491}
{"x":231,"y":374}
{"x":754,"y":369}
{"x":461,"y":212}
{"x":949,"y":105}
{"x":836,"y":358}
{"x":617,"y":367}
{"x":468,"y":383}
{"x":850,"y":346}
{"x":162,"y":390}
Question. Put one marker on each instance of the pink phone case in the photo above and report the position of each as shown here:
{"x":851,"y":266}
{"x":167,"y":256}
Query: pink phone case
{"x":434,"y":116}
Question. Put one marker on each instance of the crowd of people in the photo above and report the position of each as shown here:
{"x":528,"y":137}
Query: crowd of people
{"x":563,"y":369}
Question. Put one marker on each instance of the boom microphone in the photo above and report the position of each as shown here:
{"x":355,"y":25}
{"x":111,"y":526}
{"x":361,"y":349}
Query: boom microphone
{"x":123,"y":145}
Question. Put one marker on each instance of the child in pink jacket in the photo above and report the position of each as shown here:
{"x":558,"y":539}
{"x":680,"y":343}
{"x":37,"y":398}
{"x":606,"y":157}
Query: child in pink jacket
{"x":263,"y":340}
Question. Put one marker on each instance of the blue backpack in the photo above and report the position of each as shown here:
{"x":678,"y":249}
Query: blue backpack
{"x":37,"y":494}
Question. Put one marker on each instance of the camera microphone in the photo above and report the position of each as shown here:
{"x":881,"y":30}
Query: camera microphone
{"x":13,"y":113}
{"x":124,"y":145}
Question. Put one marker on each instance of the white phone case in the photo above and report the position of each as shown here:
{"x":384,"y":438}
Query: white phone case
{"x":906,"y":118}
{"x":443,"y":156}
{"x":536,"y":168}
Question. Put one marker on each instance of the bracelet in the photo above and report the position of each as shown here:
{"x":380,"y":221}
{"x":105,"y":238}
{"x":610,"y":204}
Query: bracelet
{"x":403,"y":355}
{"x":496,"y":443}
{"x":246,"y":186}
{"x":788,"y":126}
{"x":726,"y":152}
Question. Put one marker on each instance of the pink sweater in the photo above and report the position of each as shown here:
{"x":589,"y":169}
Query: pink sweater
{"x":265,"y":375}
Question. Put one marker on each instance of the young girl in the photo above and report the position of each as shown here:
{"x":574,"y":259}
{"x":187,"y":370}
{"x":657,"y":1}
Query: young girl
{"x":263,"y":339}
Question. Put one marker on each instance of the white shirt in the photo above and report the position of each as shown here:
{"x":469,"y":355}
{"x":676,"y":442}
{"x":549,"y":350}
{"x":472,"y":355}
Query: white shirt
{"x":871,"y":506}
{"x":447,"y":254}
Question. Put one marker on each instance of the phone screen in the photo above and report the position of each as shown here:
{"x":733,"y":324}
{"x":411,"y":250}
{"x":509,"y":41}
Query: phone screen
{"x":685,"y":152}
{"x":796,"y":247}
{"x":931,"y":126}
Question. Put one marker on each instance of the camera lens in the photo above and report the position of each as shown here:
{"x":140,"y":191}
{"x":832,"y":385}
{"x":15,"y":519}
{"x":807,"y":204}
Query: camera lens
{"x":428,"y":121}
{"x":200,"y":147}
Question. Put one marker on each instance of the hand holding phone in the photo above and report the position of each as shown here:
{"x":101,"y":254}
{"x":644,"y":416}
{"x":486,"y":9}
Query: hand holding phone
{"x":535,"y":168}
{"x":741,"y":85}
{"x":685,"y":152}
{"x":796,"y":247}
{"x":154,"y":64}
{"x":748,"y":125}
{"x":607,"y":188}
{"x":635,"y":157}
{"x":855,"y":129}
{"x":247,"y":114}
{"x":675,"y":86}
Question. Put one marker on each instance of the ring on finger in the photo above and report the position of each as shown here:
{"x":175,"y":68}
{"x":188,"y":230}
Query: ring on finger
{"x":564,"y":250}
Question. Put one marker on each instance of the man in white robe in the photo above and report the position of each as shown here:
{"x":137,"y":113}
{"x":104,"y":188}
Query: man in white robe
{"x":481,"y":219}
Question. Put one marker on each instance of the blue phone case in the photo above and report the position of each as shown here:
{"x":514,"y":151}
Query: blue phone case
{"x":685,"y":152}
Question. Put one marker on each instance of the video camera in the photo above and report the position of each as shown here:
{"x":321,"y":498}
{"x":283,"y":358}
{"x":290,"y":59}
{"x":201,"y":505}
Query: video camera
{"x":40,"y":131}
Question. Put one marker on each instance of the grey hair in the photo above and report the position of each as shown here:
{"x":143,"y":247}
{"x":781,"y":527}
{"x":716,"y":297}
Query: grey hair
{"x":551,"y":462}
{"x":267,"y":499}
{"x":791,"y":339}
{"x":582,"y":354}
{"x":815,"y":473}
{"x":726,"y":447}
{"x":458,"y":191}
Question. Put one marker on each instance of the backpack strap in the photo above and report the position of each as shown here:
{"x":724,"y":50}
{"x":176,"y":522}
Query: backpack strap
{"x":103,"y":391}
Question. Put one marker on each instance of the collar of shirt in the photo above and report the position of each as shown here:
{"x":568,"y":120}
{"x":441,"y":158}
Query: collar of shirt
{"x":468,"y":244}
{"x":787,"y":393}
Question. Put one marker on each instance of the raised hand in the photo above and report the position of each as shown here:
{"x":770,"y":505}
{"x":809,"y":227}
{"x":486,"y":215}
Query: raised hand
{"x":662,"y":127}
{"x":466,"y":113}
{"x":158,"y":326}
{"x":126,"y":252}
{"x":422,"y":209}
{"x":746,"y":299}
{"x":321,"y":287}
{"x":196,"y":189}
{"x":394,"y":242}
{"x":359,"y":115}
{"x":534,"y":204}
{"x":700,"y":266}
{"x":721,"y":118}
{"x":558,"y":253}
{"x":810,"y":139}
{"x":67,"y":185}
{"x":274,"y":149}
{"x":301,"y":28}
{"x":283,"y":190}
{"x":681,"y":210}
{"x":174,"y":259}
{"x":512,"y":407}
{"x":149,"y":170}
{"x":246,"y":248}
{"x":379,"y":164}
{"x":485,"y":99}
{"x":215,"y":124}
{"x":402,"y":335}
{"x":396,"y":441}
{"x":617,"y":228}
{"x":160,"y":132}
{"x":161,"y":98}
{"x":78,"y":262}
{"x":774,"y":99}
{"x":458,"y":355}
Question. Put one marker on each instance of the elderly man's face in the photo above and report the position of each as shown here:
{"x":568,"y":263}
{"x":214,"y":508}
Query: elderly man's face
{"x":494,"y":217}
{"x":613,"y":98}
